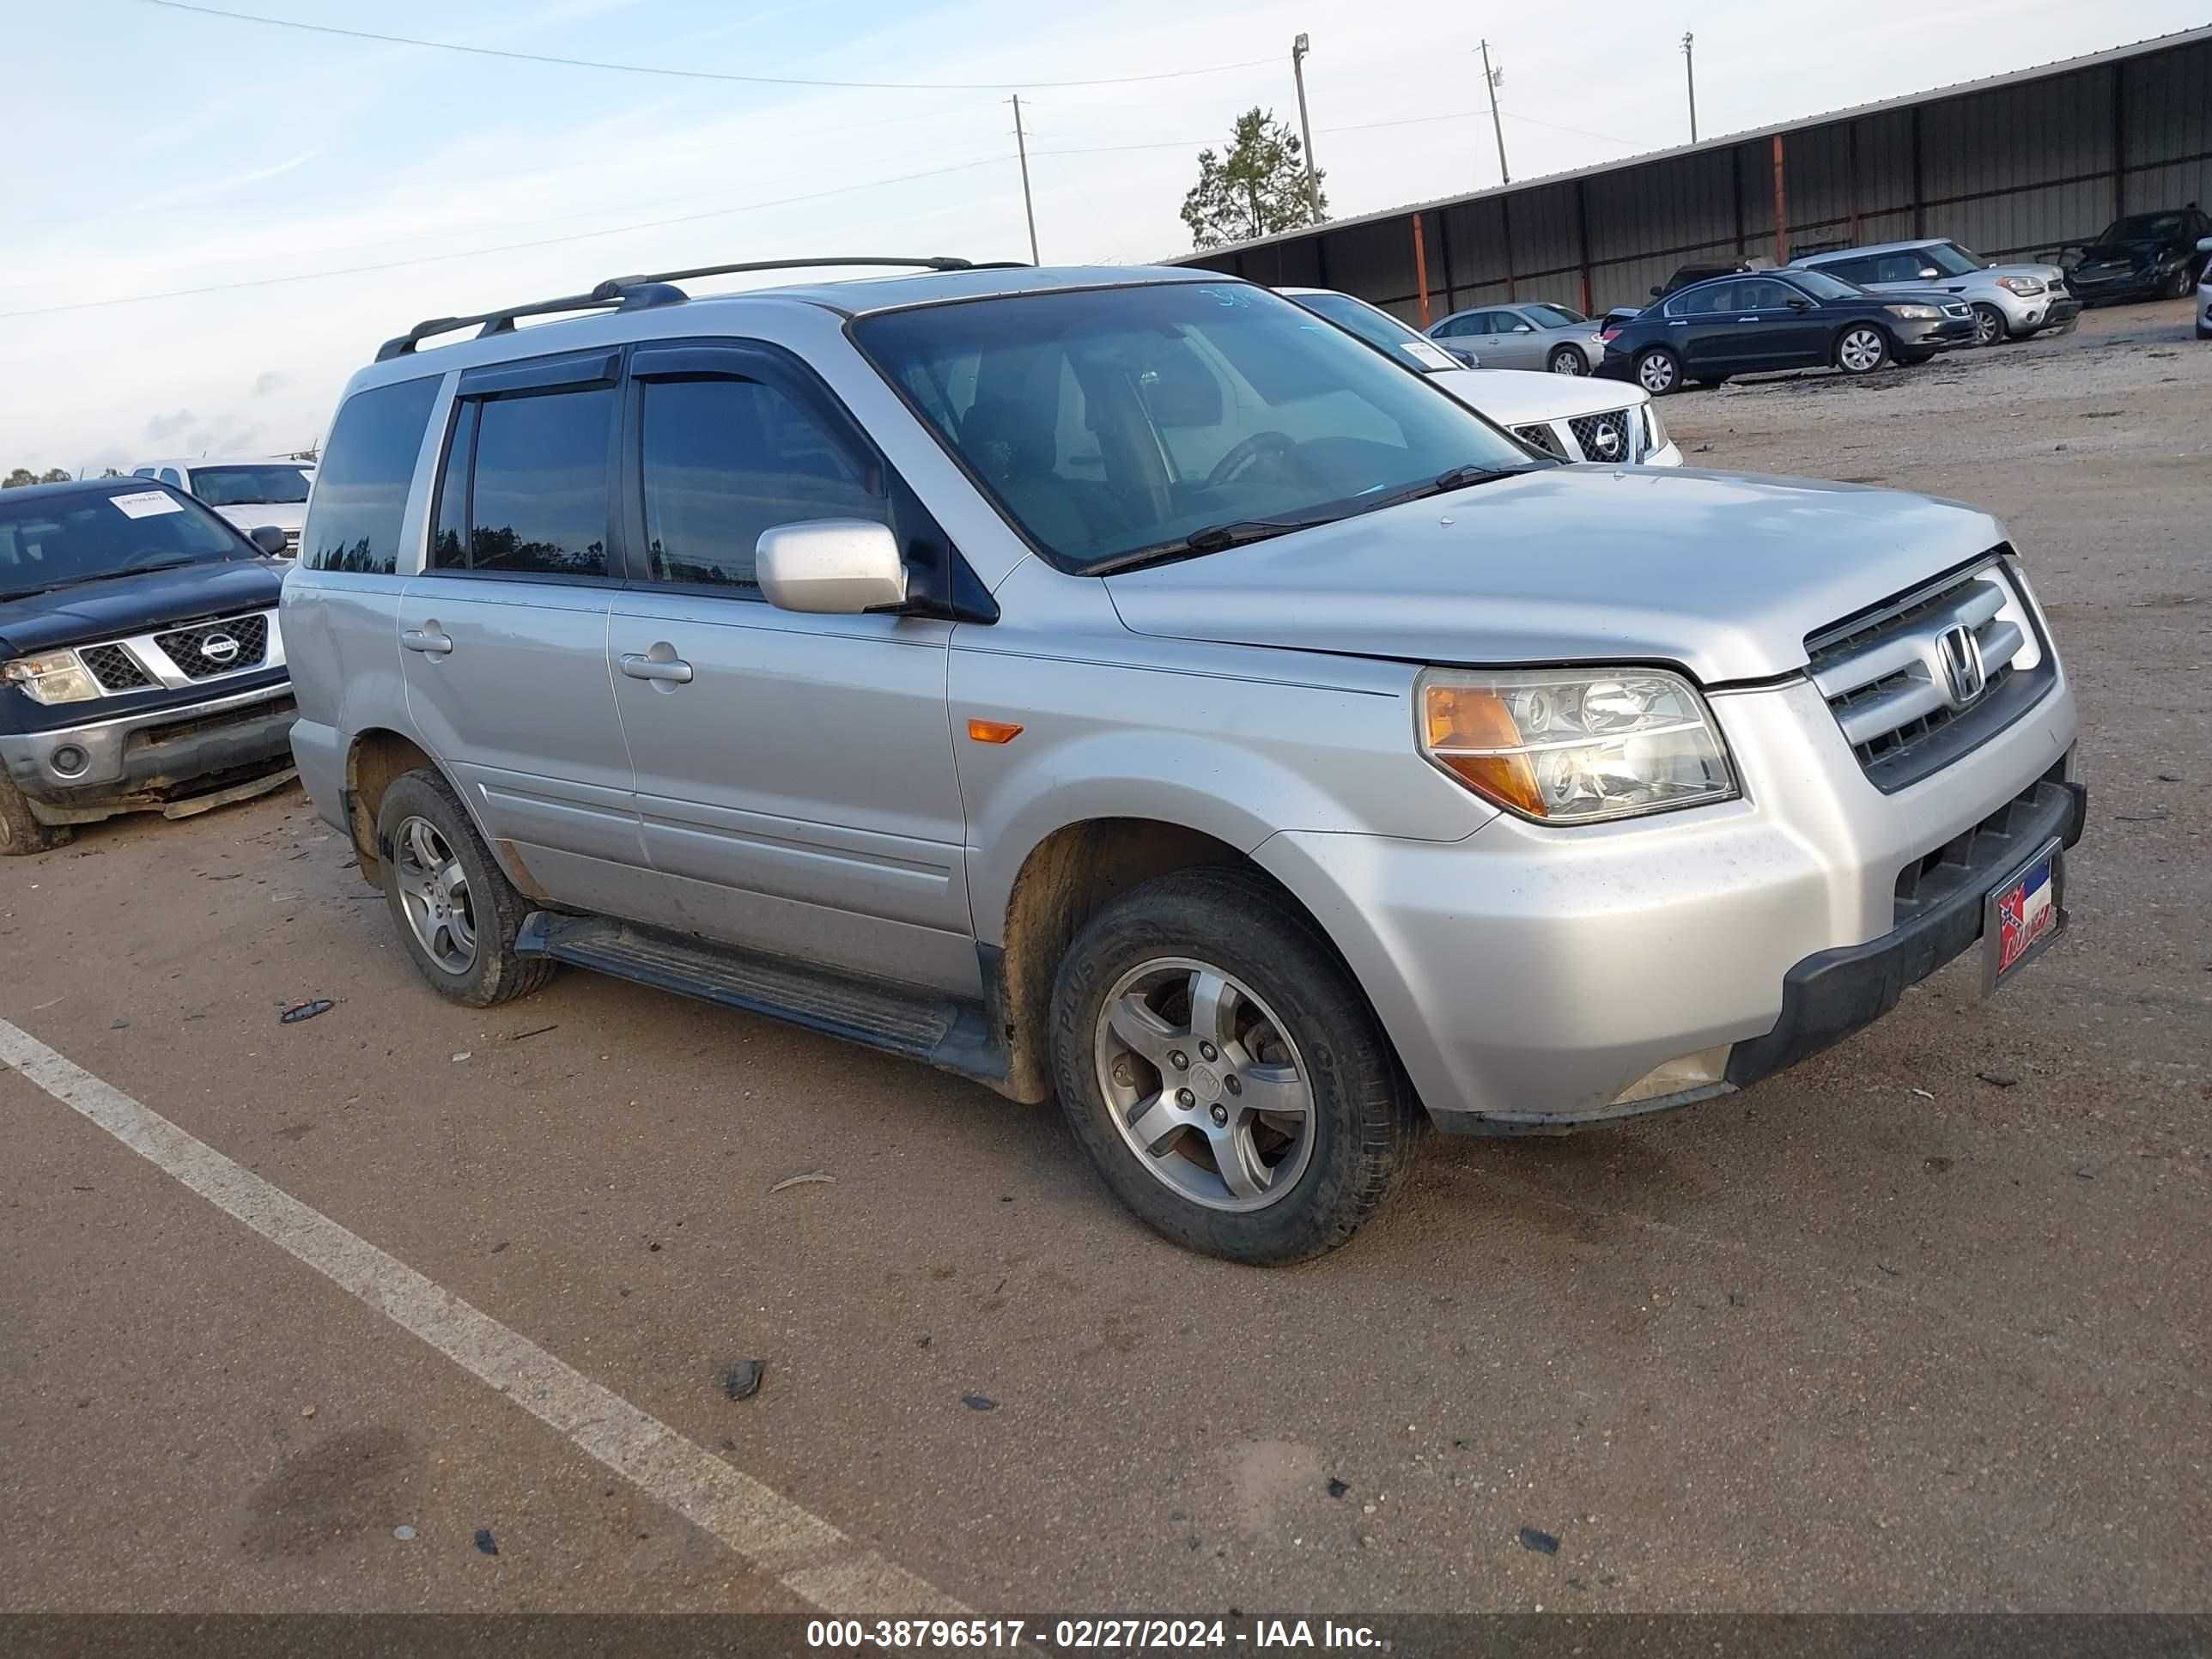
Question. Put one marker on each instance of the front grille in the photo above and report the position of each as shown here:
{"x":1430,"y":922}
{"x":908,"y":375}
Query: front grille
{"x":112,"y":666}
{"x":291,"y":544}
{"x":1610,"y":436}
{"x":1903,"y":692}
{"x":1990,"y":848}
{"x":198,"y":651}
{"x":1540,"y":436}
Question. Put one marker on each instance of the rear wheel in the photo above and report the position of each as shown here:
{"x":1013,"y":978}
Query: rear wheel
{"x":1989,"y":326}
{"x":1659,"y":371}
{"x":1566,"y":360}
{"x":457,"y":914}
{"x":1862,"y":349}
{"x":1224,"y":1073}
{"x":21,"y":832}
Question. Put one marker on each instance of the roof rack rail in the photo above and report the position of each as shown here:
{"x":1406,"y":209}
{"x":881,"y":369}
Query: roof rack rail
{"x":495,"y":322}
{"x":637,"y":293}
{"x":616,"y":288}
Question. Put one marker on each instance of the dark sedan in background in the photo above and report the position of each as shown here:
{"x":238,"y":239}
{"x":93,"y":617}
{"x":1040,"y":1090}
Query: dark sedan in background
{"x":2144,"y":256}
{"x":1750,"y":322}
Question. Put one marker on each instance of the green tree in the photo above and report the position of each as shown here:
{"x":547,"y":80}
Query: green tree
{"x":18,"y":478}
{"x":54,"y":475}
{"x":1257,"y":188}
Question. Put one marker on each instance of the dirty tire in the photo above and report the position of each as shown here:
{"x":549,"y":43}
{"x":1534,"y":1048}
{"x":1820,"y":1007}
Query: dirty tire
{"x":2176,"y":286}
{"x":20,"y":832}
{"x":1860,"y":350}
{"x":1568,"y":360}
{"x":497,"y":974}
{"x":1366,"y":1123}
{"x":1989,"y":326}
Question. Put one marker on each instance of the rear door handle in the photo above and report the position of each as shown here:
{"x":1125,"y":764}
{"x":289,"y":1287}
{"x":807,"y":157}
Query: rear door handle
{"x":427,"y":641}
{"x":640,"y":666}
{"x":1677,"y":322}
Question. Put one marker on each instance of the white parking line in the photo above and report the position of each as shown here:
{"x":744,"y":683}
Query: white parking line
{"x":804,"y":1553}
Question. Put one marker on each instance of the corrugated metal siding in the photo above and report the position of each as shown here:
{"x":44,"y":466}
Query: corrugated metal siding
{"x":2015,"y":169}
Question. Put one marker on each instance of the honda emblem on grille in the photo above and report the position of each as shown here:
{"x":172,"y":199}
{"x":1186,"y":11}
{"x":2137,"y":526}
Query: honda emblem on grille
{"x":1963,"y":674}
{"x":219,"y":647}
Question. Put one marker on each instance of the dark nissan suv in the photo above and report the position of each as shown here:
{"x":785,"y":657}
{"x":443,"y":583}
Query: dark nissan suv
{"x":141,"y":665}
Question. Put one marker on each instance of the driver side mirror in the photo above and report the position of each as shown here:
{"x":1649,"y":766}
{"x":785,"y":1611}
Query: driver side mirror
{"x":1524,"y":328}
{"x":1928,"y":273}
{"x":1658,"y":293}
{"x":831,"y":566}
{"x":2204,"y":245}
{"x":269,"y":538}
{"x":1800,"y":304}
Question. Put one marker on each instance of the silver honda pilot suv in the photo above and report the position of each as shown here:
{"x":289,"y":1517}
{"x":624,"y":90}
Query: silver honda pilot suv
{"x":1102,"y":684}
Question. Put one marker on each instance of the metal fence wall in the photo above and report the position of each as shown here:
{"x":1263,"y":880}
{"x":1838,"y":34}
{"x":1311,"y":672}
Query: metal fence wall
{"x":2014,"y":168}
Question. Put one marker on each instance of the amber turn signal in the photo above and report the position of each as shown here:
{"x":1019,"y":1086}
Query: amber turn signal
{"x":992,"y":731}
{"x":1462,"y":721}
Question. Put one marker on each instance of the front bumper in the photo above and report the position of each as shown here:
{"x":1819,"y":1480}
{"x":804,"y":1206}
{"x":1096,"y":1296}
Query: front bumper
{"x":1937,"y":335}
{"x":2142,"y":284}
{"x":1536,"y":979}
{"x":175,"y":761}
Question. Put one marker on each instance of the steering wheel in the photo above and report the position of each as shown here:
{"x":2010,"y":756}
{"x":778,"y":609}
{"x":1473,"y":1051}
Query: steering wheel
{"x":1273,"y":444}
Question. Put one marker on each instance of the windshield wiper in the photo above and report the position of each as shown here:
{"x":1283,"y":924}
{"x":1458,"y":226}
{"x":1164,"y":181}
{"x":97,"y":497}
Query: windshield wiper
{"x":1458,"y":477}
{"x":125,"y":570}
{"x":1214,"y":539}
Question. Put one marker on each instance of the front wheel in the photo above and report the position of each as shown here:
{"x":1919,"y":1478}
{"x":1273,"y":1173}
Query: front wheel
{"x":1989,"y":326}
{"x":1861,"y":350}
{"x":1225,"y":1073}
{"x":1659,"y":371}
{"x":21,"y":832}
{"x":2176,"y":286}
{"x":1566,"y":360}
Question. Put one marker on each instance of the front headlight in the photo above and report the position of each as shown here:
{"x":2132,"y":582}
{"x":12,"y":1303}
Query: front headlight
{"x":1574,"y":745}
{"x":1916,"y":313}
{"x":2023,"y":285}
{"x":57,"y":677}
{"x":1655,"y":430}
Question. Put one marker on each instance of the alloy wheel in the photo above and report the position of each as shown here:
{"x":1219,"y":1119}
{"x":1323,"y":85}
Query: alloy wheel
{"x":434,"y":890}
{"x":1207,"y":1088}
{"x":1569,"y":362}
{"x":1989,"y":325}
{"x":1860,"y":351}
{"x":1655,"y":374}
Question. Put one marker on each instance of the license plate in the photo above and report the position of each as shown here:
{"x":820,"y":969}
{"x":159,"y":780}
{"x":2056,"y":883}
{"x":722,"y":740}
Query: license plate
{"x":2021,"y":914}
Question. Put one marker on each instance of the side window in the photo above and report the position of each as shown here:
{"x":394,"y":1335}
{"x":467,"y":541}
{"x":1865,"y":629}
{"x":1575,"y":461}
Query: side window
{"x":169,"y":476}
{"x":1897,"y":268}
{"x":1764,"y":296}
{"x":1697,"y":301}
{"x":538,"y":495}
{"x":724,"y":459}
{"x":142,"y":471}
{"x":360,"y":487}
{"x":449,"y":536}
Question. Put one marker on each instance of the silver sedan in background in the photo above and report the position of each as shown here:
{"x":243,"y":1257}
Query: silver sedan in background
{"x":1537,"y":335}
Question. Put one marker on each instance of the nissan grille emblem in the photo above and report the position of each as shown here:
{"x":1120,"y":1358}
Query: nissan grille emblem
{"x":219,"y":647}
{"x":1964,"y":674}
{"x":1608,"y":440}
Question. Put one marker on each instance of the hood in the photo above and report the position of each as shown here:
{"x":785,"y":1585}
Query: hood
{"x":2140,"y":251}
{"x":285,"y":515}
{"x":136,"y":604}
{"x":1517,"y":397}
{"x":1723,"y":574}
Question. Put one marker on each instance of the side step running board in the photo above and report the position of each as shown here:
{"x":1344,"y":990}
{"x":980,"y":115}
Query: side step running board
{"x":951,"y":1034}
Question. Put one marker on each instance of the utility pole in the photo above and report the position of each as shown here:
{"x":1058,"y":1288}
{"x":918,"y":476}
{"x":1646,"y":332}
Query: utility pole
{"x":1298,"y":50}
{"x":1493,"y":78}
{"x":1690,"y":69}
{"x":1022,"y":148}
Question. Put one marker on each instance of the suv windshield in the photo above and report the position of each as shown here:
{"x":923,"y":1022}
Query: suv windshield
{"x":56,"y":541}
{"x":1953,"y":260}
{"x":1822,"y":286}
{"x":2143,"y":227}
{"x":1112,"y":422}
{"x":1377,"y":327}
{"x":249,"y":486}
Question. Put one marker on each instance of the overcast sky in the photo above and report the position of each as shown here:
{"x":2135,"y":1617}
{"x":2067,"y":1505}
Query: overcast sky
{"x":156,"y":150}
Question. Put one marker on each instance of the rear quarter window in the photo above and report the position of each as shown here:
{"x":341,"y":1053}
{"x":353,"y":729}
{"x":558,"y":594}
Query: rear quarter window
{"x":361,"y":487}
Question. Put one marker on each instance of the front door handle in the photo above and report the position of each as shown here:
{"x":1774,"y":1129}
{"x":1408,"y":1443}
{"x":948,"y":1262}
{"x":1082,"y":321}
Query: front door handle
{"x":428,"y":641}
{"x":670,"y":669}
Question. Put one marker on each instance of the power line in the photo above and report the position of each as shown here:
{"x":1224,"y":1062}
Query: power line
{"x":506,"y":248}
{"x":694,"y":75}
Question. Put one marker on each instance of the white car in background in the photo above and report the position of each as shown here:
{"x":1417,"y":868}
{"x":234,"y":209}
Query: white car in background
{"x":2205,"y":293}
{"x":1567,"y":416}
{"x":249,"y":493}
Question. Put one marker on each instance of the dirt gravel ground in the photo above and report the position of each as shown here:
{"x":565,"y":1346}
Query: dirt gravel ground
{"x":1921,"y":1324}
